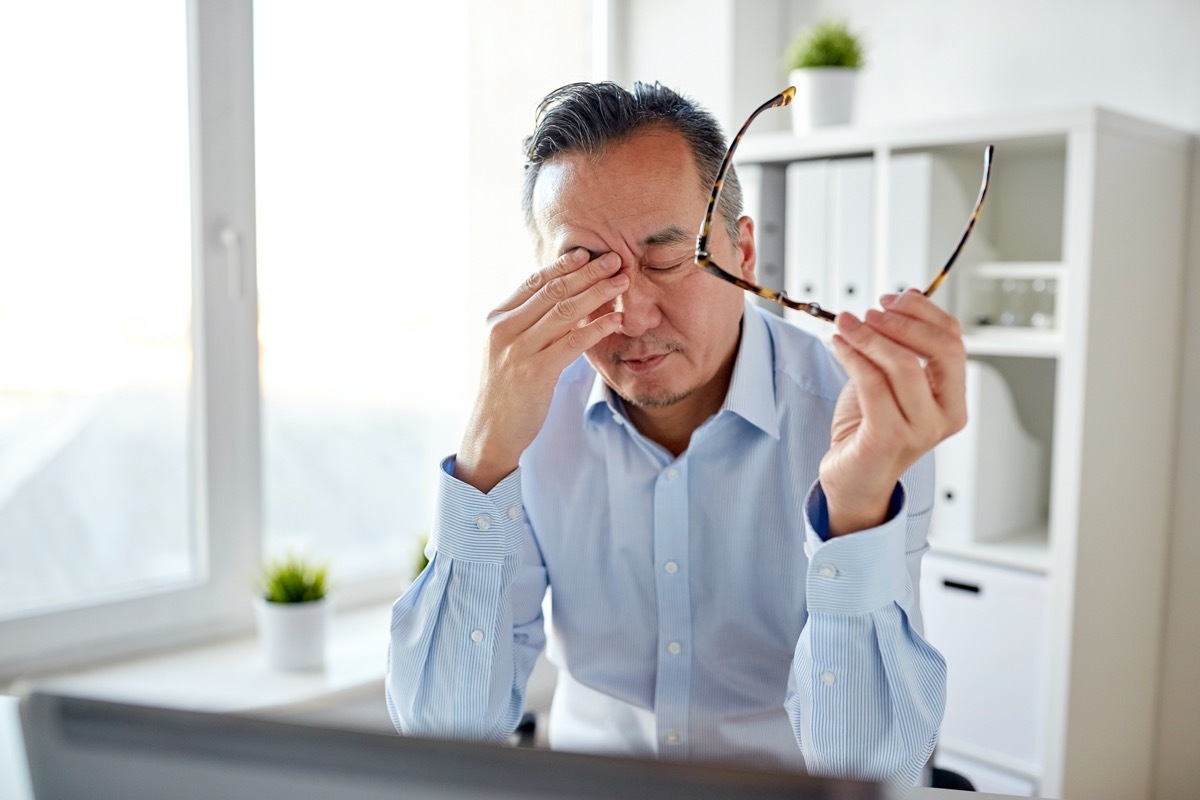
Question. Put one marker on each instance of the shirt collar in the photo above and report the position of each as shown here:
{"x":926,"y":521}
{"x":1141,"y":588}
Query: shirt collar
{"x":752,"y":388}
{"x":751,"y":392}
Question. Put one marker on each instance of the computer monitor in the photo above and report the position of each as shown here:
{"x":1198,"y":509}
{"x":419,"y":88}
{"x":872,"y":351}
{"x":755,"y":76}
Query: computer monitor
{"x":80,"y":747}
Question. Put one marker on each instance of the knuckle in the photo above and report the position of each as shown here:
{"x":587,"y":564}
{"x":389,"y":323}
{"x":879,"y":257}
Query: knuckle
{"x":533,"y":282}
{"x":555,"y":290}
{"x":565,"y":310}
{"x":498,"y":329}
{"x":576,"y":339}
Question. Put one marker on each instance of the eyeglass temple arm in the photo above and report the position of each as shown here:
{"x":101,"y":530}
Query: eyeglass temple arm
{"x":987,"y":171}
{"x":779,"y":100}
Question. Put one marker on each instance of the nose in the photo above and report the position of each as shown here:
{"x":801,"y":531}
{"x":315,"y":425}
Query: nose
{"x":639,"y":305}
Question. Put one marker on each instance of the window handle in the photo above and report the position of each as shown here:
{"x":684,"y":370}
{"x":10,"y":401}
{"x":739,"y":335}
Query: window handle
{"x":231,"y":240}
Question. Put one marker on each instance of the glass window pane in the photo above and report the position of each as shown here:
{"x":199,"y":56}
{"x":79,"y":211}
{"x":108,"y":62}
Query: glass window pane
{"x":95,"y":293}
{"x":361,"y":137}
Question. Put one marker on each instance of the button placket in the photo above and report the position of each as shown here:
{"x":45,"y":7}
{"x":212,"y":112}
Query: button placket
{"x":673,"y":674}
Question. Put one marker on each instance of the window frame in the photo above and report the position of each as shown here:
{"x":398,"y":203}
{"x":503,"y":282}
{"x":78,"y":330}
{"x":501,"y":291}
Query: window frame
{"x":225,"y":447}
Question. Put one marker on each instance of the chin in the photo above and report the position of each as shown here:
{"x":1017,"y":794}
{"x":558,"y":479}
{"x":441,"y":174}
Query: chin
{"x":655,"y":398}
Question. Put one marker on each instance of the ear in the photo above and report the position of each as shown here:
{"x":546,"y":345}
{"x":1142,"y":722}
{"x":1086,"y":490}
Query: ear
{"x":746,"y":247}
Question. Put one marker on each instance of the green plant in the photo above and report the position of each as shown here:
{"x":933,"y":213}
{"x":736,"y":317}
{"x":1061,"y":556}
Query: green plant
{"x":420,"y":561}
{"x":294,"y":579}
{"x":829,"y":43}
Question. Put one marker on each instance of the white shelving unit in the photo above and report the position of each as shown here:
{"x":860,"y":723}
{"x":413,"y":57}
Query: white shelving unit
{"x":1095,"y":202}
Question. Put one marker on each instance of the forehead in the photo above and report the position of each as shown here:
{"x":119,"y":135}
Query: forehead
{"x":632,"y":192}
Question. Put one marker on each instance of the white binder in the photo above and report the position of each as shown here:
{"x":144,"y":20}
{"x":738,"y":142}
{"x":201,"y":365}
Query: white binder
{"x":763,"y":202}
{"x":990,"y":475}
{"x":828,"y":242}
{"x":806,"y":260}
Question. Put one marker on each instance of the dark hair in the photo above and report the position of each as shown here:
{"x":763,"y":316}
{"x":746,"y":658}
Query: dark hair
{"x":586,"y":117}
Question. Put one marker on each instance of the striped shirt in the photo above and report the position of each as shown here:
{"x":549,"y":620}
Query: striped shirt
{"x":696,"y":607}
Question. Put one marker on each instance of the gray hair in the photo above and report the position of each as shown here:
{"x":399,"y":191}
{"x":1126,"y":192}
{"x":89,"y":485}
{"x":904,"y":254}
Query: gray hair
{"x":585,"y":117}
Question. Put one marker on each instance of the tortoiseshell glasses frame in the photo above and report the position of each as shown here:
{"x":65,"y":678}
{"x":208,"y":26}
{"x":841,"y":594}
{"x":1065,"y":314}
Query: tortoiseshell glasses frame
{"x":704,"y":259}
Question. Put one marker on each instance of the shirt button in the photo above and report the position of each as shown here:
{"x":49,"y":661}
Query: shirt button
{"x":671,"y":567}
{"x":477,"y":636}
{"x":618,"y":420}
{"x":672,"y":474}
{"x":514,"y":512}
{"x":828,"y":678}
{"x":828,"y":571}
{"x":672,"y":737}
{"x":674,"y":648}
{"x":483,"y":522}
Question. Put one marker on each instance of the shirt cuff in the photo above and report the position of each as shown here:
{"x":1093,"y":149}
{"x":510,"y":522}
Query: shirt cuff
{"x":859,"y":572}
{"x":469,"y":525}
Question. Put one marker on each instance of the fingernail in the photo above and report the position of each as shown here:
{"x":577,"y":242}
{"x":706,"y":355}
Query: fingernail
{"x":887,"y":299}
{"x":620,"y":280}
{"x":579,"y":255}
{"x":847,"y":321}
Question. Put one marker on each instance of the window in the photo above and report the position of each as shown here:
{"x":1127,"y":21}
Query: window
{"x":95,"y":295}
{"x":361,"y":196}
{"x":195,"y":369}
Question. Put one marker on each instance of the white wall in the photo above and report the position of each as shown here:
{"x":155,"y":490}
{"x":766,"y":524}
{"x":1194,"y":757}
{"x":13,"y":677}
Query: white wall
{"x":937,"y":58}
{"x":930,"y":59}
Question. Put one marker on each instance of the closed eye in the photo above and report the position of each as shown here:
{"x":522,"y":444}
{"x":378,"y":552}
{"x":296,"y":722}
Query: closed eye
{"x":661,"y":268}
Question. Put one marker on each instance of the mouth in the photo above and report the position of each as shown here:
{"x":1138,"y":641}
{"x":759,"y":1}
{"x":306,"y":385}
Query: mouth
{"x":641,"y":365}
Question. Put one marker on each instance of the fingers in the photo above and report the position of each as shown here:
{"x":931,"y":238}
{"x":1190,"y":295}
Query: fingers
{"x":570,"y":274}
{"x":892,"y":380}
{"x":877,"y":405}
{"x":917,"y":349}
{"x":565,"y":264}
{"x":918,"y":322}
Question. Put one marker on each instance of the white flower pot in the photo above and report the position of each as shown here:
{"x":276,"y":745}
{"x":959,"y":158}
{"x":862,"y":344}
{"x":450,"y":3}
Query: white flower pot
{"x":824,"y":97}
{"x":293,"y":634}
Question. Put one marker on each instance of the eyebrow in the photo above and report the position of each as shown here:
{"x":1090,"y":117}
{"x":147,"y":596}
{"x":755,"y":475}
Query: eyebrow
{"x":672,"y":234}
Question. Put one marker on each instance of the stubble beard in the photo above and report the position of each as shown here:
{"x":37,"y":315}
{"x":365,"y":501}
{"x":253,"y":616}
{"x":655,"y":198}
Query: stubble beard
{"x":662,"y":399}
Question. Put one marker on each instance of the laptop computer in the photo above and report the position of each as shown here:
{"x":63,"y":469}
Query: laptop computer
{"x":81,"y":747}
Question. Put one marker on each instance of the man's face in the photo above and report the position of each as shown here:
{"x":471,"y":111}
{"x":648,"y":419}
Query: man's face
{"x":642,"y":200}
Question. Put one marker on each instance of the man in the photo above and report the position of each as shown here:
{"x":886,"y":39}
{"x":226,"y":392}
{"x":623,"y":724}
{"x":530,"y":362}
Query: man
{"x":731,"y":531}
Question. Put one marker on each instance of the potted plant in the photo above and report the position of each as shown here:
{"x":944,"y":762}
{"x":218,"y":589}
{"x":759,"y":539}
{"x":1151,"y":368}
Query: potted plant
{"x":823,"y":63}
{"x":291,"y":609}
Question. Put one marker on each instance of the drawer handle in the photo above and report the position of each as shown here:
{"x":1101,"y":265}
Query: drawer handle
{"x":962,"y":587}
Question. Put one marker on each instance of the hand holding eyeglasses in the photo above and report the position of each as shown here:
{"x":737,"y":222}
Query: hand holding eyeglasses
{"x":907,"y":368}
{"x":907,"y":393}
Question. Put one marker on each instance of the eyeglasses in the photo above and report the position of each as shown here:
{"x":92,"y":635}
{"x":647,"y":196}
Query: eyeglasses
{"x":704,"y":258}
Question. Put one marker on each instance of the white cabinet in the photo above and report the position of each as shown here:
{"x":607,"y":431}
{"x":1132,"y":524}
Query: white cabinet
{"x":1070,"y":291}
{"x":990,"y":624}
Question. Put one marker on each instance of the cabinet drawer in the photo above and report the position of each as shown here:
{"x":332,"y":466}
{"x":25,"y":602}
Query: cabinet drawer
{"x":990,"y":624}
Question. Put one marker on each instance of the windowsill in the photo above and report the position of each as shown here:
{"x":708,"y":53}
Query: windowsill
{"x":232,"y":675}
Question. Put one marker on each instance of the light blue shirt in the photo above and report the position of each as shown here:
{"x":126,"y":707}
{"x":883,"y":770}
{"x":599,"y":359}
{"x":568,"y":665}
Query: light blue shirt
{"x":696,"y":609}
